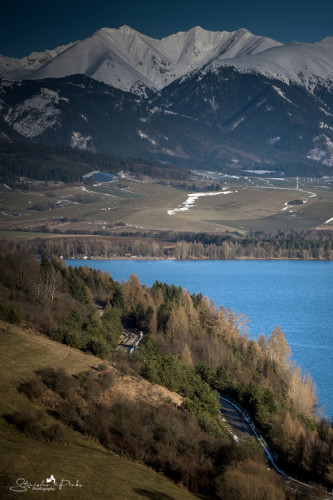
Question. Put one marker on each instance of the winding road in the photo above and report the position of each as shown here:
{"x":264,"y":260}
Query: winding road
{"x":242,"y":424}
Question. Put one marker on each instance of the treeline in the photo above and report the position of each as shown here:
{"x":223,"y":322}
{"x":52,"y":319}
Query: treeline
{"x":180,"y":246}
{"x":258,"y":245}
{"x":190,"y":346}
{"x":64,"y":164}
{"x":250,"y":248}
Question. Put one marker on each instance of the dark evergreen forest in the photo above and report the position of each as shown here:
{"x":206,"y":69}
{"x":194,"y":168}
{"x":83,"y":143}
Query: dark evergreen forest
{"x":64,"y":164}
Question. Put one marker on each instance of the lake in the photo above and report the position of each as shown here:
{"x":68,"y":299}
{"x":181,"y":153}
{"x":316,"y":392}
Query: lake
{"x":296,"y":295}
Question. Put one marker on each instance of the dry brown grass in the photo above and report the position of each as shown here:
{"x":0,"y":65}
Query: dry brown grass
{"x":103,"y":475}
{"x":247,"y":208}
{"x":138,"y":389}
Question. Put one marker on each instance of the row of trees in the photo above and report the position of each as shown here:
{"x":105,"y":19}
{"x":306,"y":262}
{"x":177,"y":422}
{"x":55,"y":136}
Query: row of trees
{"x":149,"y":247}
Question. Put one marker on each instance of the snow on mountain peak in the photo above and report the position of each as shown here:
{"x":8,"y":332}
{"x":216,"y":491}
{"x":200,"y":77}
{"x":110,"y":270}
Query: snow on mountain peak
{"x":126,"y":59}
{"x":302,"y":63}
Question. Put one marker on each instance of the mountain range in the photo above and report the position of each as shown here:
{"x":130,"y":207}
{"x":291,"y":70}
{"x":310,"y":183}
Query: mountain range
{"x":197,"y":99}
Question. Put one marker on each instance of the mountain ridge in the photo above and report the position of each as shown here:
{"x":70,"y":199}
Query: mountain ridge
{"x":126,"y":59}
{"x":196,"y":99}
{"x":297,"y":62}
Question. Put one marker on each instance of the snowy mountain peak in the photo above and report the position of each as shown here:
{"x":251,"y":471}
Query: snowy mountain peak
{"x":301,"y":63}
{"x":18,"y":69}
{"x":128,"y":60}
{"x":127,"y":29}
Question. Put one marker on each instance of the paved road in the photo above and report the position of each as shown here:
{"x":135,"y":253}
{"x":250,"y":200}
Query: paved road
{"x":235,"y":418}
{"x":242,"y":424}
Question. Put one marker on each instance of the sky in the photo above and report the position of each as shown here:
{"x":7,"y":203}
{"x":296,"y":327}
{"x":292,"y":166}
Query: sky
{"x":36,"y":25}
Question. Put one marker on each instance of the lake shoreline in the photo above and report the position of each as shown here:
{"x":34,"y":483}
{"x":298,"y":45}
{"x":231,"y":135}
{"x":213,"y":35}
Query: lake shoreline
{"x":297,"y":295}
{"x":193,"y":259}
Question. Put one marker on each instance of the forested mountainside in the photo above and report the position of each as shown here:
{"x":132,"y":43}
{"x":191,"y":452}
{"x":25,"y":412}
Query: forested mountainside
{"x":223,"y":119}
{"x":25,"y":160}
{"x":189,"y":346}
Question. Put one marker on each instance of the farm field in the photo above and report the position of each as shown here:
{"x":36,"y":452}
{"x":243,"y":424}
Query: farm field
{"x":239,"y":204}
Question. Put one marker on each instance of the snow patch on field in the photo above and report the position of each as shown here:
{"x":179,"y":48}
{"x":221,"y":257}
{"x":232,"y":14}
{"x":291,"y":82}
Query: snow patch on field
{"x":192,"y":198}
{"x":289,"y":204}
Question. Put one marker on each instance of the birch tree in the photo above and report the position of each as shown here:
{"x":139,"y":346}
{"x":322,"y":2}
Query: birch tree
{"x":278,"y":350}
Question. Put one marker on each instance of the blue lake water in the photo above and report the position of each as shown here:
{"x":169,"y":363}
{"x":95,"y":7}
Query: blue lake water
{"x":296,"y":295}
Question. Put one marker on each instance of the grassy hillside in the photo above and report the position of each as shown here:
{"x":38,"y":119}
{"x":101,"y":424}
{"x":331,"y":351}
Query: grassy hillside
{"x":102,"y":474}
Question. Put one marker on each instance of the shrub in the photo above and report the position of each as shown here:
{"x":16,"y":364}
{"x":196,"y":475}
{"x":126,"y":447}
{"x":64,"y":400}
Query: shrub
{"x":25,"y":417}
{"x":58,"y":380}
{"x":56,"y":433}
{"x":246,"y":480}
{"x":27,"y":420}
{"x":10,"y":313}
{"x":97,"y":346}
{"x":106,"y":380}
{"x":32,"y":389}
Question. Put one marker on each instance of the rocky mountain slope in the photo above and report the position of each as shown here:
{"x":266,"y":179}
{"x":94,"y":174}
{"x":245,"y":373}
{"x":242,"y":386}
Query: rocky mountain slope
{"x":196,"y":99}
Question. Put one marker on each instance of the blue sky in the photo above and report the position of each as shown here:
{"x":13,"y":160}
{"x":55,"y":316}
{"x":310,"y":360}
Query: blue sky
{"x":36,"y":25}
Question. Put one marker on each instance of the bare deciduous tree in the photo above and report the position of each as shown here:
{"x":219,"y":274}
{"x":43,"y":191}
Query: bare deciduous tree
{"x":302,"y":392}
{"x":278,"y":349}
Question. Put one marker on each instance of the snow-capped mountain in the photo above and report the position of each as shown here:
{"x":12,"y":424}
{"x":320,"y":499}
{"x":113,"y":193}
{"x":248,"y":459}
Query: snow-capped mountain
{"x":128,"y":60}
{"x":196,"y":99}
{"x":19,"y":69}
{"x":300,"y":63}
